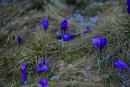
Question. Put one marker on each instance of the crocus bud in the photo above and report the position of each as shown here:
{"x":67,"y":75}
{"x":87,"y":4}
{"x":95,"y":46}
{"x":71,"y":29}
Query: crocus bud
{"x":121,"y":65}
{"x":19,"y":39}
{"x":43,"y":82}
{"x":45,"y":24}
{"x":64,"y":25}
{"x":24,"y":73}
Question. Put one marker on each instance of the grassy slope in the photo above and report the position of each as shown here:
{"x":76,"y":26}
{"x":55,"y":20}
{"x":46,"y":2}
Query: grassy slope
{"x":75,"y":59}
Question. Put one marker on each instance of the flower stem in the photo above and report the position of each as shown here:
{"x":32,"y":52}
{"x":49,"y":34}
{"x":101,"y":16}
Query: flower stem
{"x":99,"y":61}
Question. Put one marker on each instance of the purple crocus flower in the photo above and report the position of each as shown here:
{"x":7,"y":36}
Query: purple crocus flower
{"x":66,"y":37}
{"x":87,"y":30}
{"x":19,"y":40}
{"x":24,"y":73}
{"x":64,"y":25}
{"x":71,"y":36}
{"x":99,"y":42}
{"x":43,"y":66}
{"x":43,"y":82}
{"x":45,"y":24}
{"x":23,"y":68}
{"x":128,"y":10}
{"x":24,"y":78}
{"x":41,"y":69}
{"x":59,"y":36}
{"x":128,"y":3}
{"x":121,"y":65}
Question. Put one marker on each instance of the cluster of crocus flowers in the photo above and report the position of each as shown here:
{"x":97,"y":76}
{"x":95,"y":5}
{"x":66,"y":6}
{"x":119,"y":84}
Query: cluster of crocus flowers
{"x":63,"y":35}
{"x":100,"y":42}
{"x":24,"y":73}
{"x":45,"y":24}
{"x":128,"y":8}
{"x":63,"y":26}
{"x":42,"y":66}
{"x":43,"y":82}
{"x":121,"y":65}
